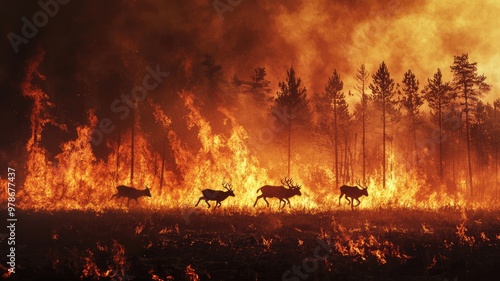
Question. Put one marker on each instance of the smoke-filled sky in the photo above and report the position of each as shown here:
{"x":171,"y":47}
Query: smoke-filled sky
{"x":85,"y":41}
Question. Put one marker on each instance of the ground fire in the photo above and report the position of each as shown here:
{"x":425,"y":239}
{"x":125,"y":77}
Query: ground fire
{"x":371,"y":131}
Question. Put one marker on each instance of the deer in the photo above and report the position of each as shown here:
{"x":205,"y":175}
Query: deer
{"x":130,"y":193}
{"x":216,"y":195}
{"x":280,"y":192}
{"x":353,"y":192}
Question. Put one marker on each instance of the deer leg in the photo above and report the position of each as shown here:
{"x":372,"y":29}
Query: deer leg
{"x":279,"y":203}
{"x":289,"y":206}
{"x":201,"y":198}
{"x":340,"y":197}
{"x":347,"y":198}
{"x":218,"y":204}
{"x":266,"y":201}
{"x":359,"y":202}
{"x":258,"y":197}
{"x":206,"y":200}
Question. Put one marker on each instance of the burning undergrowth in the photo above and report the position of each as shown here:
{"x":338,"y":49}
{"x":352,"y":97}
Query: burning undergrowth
{"x":203,"y":152}
{"x":342,"y":245}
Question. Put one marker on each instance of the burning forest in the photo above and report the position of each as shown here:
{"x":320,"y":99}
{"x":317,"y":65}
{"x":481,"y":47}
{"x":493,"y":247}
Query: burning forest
{"x":235,"y":140}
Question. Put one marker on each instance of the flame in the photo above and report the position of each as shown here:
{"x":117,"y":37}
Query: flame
{"x":191,"y":274}
{"x":76,"y":179}
{"x":115,"y":270}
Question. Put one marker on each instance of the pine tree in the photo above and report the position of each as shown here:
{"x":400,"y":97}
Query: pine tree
{"x":411,"y":101}
{"x":470,"y":86}
{"x":438,"y":95}
{"x":212,"y":74}
{"x":383,"y":94}
{"x":362,"y":81}
{"x":290,"y":105}
{"x":258,"y":86}
{"x":334,"y":116}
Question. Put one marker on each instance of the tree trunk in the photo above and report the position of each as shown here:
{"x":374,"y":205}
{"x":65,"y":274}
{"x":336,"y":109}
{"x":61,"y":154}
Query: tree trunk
{"x":383,"y":143}
{"x":163,"y":162}
{"x":132,"y":145}
{"x":336,"y":140}
{"x":415,"y":146}
{"x":289,"y":145}
{"x":364,"y":134}
{"x":467,"y":128}
{"x":440,"y":121}
{"x":117,"y":177}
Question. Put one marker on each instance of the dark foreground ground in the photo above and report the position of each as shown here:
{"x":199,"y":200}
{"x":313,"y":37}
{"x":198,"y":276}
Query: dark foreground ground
{"x":217,"y":245}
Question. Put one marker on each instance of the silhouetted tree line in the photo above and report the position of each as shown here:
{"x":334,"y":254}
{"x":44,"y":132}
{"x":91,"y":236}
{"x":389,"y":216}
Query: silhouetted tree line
{"x":455,"y":139}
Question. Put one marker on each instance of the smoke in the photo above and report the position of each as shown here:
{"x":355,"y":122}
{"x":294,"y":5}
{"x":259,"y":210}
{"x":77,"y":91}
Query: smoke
{"x":94,"y":47}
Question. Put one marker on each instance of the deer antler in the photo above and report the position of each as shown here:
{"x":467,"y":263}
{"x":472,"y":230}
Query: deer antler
{"x":360,"y":185}
{"x":227,"y":185}
{"x":289,"y":183}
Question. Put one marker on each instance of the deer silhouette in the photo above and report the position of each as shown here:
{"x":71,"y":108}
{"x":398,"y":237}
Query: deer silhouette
{"x":216,"y":195}
{"x":353,"y":192}
{"x":130,"y":193}
{"x":280,"y":192}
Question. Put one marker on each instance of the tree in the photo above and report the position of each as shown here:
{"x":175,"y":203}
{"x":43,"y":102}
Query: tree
{"x":470,"y":86}
{"x":438,"y":95}
{"x":383,"y":94}
{"x":496,"y":140}
{"x":333,"y":116}
{"x":362,"y":80}
{"x":258,"y":85}
{"x":411,"y":101}
{"x":290,"y":105}
{"x":212,"y":73}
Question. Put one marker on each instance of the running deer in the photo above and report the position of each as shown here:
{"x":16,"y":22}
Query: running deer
{"x":280,"y":192}
{"x":353,"y":192}
{"x":130,"y":193}
{"x":216,"y":195}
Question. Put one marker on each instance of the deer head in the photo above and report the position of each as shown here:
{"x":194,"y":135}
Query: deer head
{"x":229,"y":187}
{"x":146,"y":191}
{"x":288,"y":182}
{"x":363,"y":188}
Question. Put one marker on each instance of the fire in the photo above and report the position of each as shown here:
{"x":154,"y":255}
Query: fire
{"x":191,"y":274}
{"x":77,"y":179}
{"x":116,"y":267}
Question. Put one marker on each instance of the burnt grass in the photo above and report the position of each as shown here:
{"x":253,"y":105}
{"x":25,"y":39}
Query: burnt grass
{"x":225,"y":245}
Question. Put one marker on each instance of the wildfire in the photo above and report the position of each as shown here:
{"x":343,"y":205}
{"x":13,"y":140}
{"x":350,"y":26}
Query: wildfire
{"x":76,"y":179}
{"x":191,"y":274}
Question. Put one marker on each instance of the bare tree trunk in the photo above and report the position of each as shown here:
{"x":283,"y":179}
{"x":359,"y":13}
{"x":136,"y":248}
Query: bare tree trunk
{"x":383,"y":144}
{"x":117,"y":176}
{"x":415,"y":146}
{"x":289,"y":145}
{"x":335,"y":133}
{"x":163,"y":163}
{"x":132,"y":145}
{"x":346,"y":163}
{"x":364,"y":134}
{"x":467,"y":128}
{"x":440,"y":121}
{"x":497,"y":162}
